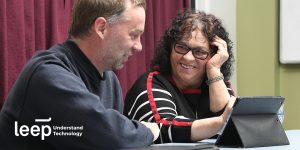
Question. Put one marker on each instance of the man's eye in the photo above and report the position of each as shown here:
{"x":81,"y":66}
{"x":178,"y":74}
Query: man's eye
{"x":132,"y":36}
{"x":135,"y":36}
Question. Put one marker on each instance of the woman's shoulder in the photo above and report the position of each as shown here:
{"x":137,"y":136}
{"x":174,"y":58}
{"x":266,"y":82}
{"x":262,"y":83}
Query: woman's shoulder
{"x":149,"y":78}
{"x":152,"y":75}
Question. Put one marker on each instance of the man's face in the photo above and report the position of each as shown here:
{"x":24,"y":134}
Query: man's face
{"x":123,"y":38}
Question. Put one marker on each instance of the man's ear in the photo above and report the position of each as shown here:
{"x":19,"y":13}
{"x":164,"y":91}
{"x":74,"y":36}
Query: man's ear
{"x":100,"y":26}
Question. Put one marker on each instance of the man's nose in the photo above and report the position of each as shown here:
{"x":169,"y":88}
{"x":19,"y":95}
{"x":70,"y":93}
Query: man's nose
{"x":137,"y":47}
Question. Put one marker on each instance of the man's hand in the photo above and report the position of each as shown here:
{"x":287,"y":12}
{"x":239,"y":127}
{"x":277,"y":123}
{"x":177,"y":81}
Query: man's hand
{"x":153,"y":127}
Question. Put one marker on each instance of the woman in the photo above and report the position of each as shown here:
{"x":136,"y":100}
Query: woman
{"x":187,"y":92}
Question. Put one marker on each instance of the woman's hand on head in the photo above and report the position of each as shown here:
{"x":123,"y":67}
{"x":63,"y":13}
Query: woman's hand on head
{"x":217,"y":60}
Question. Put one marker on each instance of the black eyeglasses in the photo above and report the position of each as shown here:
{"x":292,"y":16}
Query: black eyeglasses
{"x":197,"y":53}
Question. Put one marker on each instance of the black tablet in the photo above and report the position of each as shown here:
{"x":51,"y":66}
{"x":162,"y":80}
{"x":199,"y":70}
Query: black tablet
{"x":257,"y":105}
{"x":254,"y":123}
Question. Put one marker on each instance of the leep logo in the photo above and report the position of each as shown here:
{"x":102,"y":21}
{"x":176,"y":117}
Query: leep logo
{"x":35,"y":130}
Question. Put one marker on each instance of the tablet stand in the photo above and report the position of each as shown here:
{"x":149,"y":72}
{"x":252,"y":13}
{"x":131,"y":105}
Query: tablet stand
{"x":253,"y":131}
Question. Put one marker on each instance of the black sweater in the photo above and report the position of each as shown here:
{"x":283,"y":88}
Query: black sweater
{"x":174,"y":109}
{"x":62,"y":84}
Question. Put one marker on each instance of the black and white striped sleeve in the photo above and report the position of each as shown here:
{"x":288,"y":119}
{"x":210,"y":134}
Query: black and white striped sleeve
{"x":139,"y":106}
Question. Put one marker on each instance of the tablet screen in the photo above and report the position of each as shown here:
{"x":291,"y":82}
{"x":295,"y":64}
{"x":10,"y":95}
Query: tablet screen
{"x":247,"y":105}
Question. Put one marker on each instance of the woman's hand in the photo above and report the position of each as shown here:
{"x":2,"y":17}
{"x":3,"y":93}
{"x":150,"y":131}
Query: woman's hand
{"x":207,"y":127}
{"x":226,"y":114}
{"x":220,"y":57}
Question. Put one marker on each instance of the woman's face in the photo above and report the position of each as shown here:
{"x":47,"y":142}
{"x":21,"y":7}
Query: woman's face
{"x":188,"y":71}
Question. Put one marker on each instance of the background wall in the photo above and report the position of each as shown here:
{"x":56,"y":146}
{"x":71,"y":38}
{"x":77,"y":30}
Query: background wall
{"x":226,"y":11}
{"x":30,"y":25}
{"x":258,"y":69}
{"x":254,"y":27}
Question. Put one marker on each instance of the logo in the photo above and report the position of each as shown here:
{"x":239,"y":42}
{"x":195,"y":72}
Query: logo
{"x":46,"y":130}
{"x":35,"y":130}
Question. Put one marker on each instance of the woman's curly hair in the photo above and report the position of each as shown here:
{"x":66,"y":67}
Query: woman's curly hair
{"x":181,"y":28}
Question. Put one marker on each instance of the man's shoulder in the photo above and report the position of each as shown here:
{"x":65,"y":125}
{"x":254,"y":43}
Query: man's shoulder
{"x":44,"y":63}
{"x":56,"y":52}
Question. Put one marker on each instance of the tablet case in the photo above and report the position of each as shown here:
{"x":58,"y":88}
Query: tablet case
{"x":254,"y":123}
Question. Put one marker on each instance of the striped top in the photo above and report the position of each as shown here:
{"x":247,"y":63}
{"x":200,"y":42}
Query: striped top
{"x":155,"y":98}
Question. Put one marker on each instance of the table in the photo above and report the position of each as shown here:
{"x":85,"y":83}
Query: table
{"x":293,"y":136}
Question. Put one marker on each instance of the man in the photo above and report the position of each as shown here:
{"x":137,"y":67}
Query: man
{"x":67,"y":97}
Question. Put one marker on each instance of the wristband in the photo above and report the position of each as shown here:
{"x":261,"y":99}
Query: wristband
{"x":215,"y":79}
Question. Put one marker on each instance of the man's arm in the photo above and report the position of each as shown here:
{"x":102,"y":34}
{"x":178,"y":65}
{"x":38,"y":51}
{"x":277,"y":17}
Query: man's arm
{"x":58,"y":93}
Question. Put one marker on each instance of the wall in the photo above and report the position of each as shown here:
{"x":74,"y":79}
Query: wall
{"x":258,"y":69}
{"x":254,"y":27}
{"x":226,"y":11}
{"x":290,"y":89}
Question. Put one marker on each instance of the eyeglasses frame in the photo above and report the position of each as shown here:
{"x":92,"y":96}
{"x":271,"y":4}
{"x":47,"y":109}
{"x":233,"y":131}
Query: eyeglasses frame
{"x":190,"y":49}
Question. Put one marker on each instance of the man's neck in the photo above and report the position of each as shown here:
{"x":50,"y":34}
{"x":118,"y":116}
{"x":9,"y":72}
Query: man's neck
{"x":88,"y":49}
